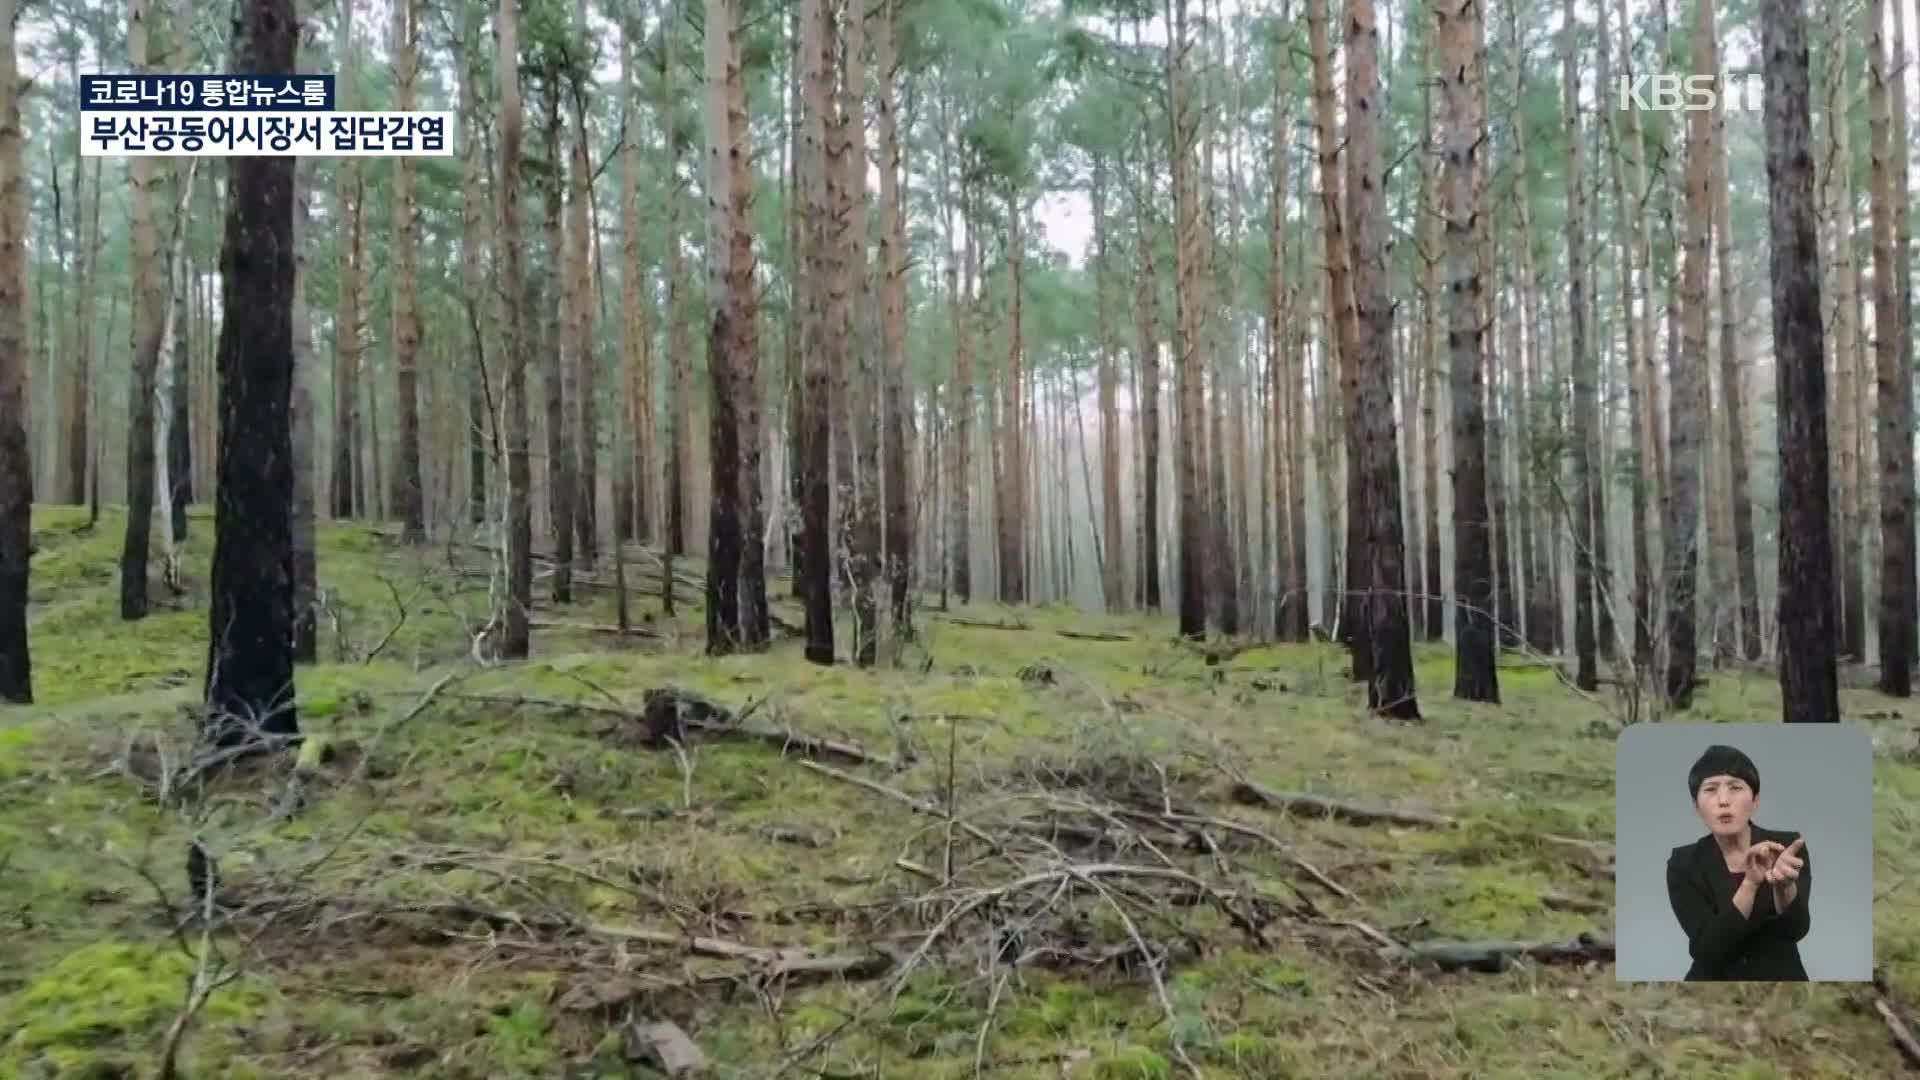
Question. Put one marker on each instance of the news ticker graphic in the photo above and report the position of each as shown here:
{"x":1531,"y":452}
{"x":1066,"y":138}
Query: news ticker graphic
{"x":245,"y":116}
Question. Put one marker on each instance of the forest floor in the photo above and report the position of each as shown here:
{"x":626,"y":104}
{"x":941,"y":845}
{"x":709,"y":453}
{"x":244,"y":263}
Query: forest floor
{"x":950,"y":865}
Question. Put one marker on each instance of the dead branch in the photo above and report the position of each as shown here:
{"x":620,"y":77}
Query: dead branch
{"x":1495,"y":956}
{"x":594,"y":628}
{"x":981,"y":624}
{"x":1081,"y":635}
{"x":1250,"y":793}
{"x":917,"y":805}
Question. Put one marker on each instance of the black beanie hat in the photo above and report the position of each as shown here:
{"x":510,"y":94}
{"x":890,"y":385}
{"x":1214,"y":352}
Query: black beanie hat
{"x":1722,"y":761}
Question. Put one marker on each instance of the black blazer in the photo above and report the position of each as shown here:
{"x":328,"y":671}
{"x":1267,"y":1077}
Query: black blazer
{"x":1724,"y":944}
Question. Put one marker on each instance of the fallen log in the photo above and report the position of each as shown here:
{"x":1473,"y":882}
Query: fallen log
{"x":671,"y":714}
{"x":980,"y":624}
{"x":593,"y":628}
{"x":1082,"y":635}
{"x":1494,"y":957}
{"x":1249,"y":793}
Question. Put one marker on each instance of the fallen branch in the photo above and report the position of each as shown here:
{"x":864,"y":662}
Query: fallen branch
{"x":1250,"y":793}
{"x":1081,"y":635}
{"x":980,"y":624}
{"x":1897,"y":1026}
{"x":917,"y":805}
{"x":1355,"y":813}
{"x":592,"y":628}
{"x":1495,"y":956}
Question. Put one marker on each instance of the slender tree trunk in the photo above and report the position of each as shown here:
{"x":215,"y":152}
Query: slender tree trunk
{"x":519,"y":525}
{"x":80,"y":387}
{"x":582,"y":352}
{"x":961,"y":407}
{"x":1848,"y":523}
{"x":306,"y":571}
{"x":729,"y":268}
{"x":1808,"y":686}
{"x":1733,"y":401}
{"x":16,"y":466}
{"x":862,"y":497}
{"x":1893,"y":382}
{"x":166,"y":370}
{"x":1585,"y":532}
{"x":346,"y":493}
{"x":406,"y":316}
{"x":1344,"y":320}
{"x":1689,"y":392}
{"x":475,"y":255}
{"x":1012,"y":524}
{"x":149,"y":308}
{"x":554,"y":292}
{"x":1147,"y":333}
{"x":1284,"y":413}
{"x":1434,"y":310}
{"x":250,"y":652}
{"x":1112,"y":557}
{"x":898,"y":405}
{"x":1463,"y":133}
{"x":1390,"y":686}
{"x":1188,"y":354}
{"x":1627,"y":218}
{"x":817,"y":170}
{"x":636,"y":309}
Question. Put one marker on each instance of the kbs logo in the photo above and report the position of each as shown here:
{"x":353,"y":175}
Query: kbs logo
{"x":1669,"y":92}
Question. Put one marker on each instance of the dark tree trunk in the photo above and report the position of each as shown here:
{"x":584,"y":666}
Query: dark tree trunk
{"x":1475,"y":677}
{"x":549,"y":308}
{"x":1807,"y":678}
{"x":179,"y":436}
{"x":1585,"y":403}
{"x":1390,"y":686}
{"x":250,"y":655}
{"x":16,"y":468}
{"x":1893,"y":383}
{"x":519,"y":569}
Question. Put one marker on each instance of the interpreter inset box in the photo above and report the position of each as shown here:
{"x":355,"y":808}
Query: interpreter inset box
{"x":1743,"y":852}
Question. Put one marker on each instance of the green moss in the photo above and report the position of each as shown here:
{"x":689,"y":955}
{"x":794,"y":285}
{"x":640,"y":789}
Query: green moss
{"x":1132,"y":1063}
{"x":97,"y":996}
{"x":1263,"y":1056}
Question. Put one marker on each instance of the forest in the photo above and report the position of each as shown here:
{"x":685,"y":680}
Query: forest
{"x":846,"y":538}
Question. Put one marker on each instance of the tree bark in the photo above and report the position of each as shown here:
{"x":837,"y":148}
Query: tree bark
{"x":1733,"y":400}
{"x":346,"y":493}
{"x":407,"y":491}
{"x":1014,"y":506}
{"x":149,"y":309}
{"x":960,"y":405}
{"x":1188,"y":355}
{"x":1808,"y":687}
{"x":1585,"y":404}
{"x":582,"y":396}
{"x":636,"y":308}
{"x":250,"y":652}
{"x":1629,"y":218}
{"x":1849,"y":523}
{"x":1390,"y":686}
{"x":851,"y":299}
{"x":1463,"y":132}
{"x":731,"y":335}
{"x":817,"y":170}
{"x":898,"y":404}
{"x":306,"y":571}
{"x":1690,"y":414}
{"x":1893,"y":384}
{"x":552,"y":292}
{"x":16,"y":466}
{"x":518,"y":604}
{"x":1147,"y":353}
{"x":1112,"y":556}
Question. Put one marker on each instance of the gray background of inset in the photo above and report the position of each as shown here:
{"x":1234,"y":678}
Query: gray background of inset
{"x":1815,"y":779}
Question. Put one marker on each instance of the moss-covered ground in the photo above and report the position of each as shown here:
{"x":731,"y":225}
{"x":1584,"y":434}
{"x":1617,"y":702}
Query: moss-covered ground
{"x":407,"y":913}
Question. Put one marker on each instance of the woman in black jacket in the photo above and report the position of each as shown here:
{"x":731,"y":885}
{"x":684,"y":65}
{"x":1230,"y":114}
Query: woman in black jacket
{"x":1740,"y":892}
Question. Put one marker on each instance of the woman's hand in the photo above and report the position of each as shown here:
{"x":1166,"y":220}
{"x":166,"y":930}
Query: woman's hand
{"x":1786,"y":865}
{"x":1761,"y":858}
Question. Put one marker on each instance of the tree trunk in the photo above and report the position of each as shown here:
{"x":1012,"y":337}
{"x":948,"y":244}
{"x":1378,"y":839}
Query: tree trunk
{"x":1112,"y":557}
{"x":1345,"y":345}
{"x":1733,"y":401}
{"x":898,"y":404}
{"x":1690,"y":414}
{"x":1903,"y":260}
{"x":1187,"y":353}
{"x":1147,"y":352}
{"x":581,"y":395}
{"x":519,"y":524}
{"x":406,"y":316}
{"x":16,"y":466}
{"x":961,"y":408}
{"x":250,"y":652}
{"x":862,"y":496}
{"x":635,"y":306}
{"x":1012,"y":523}
{"x":1283,"y":426}
{"x":729,"y":271}
{"x":553,"y":292}
{"x":80,"y":388}
{"x":1849,"y":523}
{"x":1390,"y":687}
{"x":1627,"y":219}
{"x":1463,"y":132}
{"x":475,"y":255}
{"x":149,"y":308}
{"x":1893,"y":384}
{"x":166,"y":369}
{"x":1433,"y":593}
{"x":1585,"y":404}
{"x":817,"y":169}
{"x":1808,"y":686}
{"x":346,"y":493}
{"x":306,"y":570}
